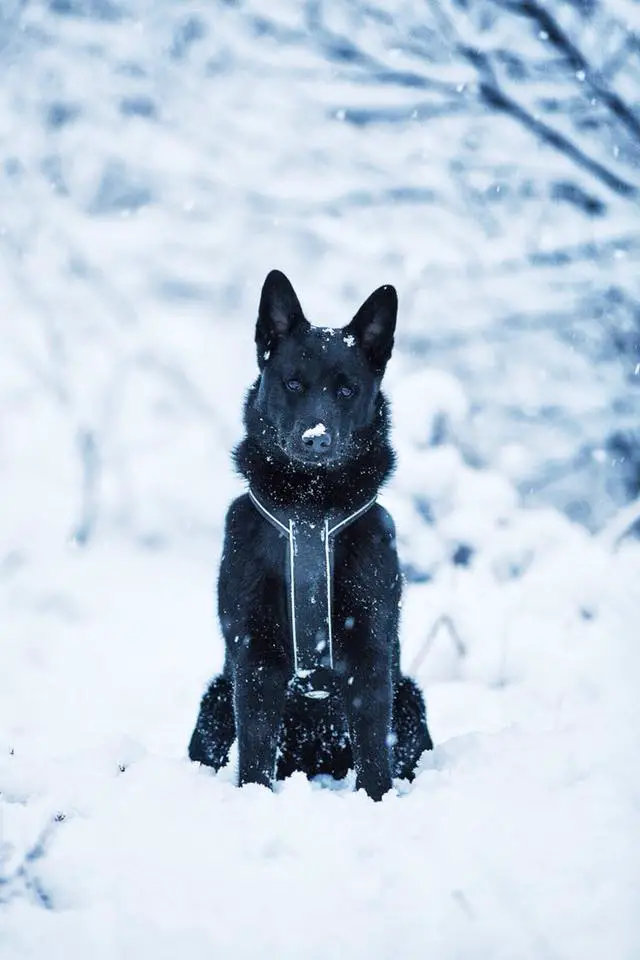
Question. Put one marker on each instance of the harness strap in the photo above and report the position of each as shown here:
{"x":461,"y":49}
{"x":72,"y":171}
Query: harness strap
{"x":309,"y":576}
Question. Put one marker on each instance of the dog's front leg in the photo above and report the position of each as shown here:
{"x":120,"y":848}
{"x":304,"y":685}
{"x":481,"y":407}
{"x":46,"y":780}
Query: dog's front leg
{"x":260,"y":692}
{"x":368,"y":706}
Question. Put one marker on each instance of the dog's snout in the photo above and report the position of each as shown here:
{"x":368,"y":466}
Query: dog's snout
{"x":317,"y":442}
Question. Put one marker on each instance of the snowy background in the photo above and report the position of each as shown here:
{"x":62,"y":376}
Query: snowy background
{"x":157,"y":160}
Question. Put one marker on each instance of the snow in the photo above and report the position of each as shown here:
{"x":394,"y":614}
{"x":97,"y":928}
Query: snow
{"x":515,"y":838}
{"x":160,"y":160}
{"x":318,"y":431}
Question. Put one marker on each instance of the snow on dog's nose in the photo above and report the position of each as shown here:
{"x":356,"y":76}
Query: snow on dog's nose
{"x":317,"y":439}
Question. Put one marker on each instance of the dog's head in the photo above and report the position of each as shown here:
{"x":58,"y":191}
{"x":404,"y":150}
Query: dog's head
{"x":318,"y":388}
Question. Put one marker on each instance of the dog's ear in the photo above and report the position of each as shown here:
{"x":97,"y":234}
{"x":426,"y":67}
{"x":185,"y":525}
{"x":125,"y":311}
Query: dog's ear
{"x":374,"y":325}
{"x":279,"y":314}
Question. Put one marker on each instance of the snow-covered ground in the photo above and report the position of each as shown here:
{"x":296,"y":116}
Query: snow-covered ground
{"x":517,"y":838}
{"x":159,"y":160}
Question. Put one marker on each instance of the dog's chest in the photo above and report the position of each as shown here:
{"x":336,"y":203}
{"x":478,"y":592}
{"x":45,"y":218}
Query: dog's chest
{"x":307,"y":578}
{"x":309,"y":581}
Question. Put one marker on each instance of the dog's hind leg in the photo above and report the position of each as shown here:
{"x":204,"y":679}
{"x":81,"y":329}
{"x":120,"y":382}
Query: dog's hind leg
{"x":411,"y":734}
{"x":215,"y":729}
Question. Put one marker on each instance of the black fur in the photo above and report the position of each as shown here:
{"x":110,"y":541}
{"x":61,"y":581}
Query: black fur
{"x":375,"y":719}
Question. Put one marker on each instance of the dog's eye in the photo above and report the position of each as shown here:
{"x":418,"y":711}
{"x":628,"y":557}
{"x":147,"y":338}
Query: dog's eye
{"x":345,"y":391}
{"x":293,"y":385}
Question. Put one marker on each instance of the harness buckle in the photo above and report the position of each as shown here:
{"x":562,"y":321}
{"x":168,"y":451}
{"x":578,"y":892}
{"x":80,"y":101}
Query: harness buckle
{"x":312,"y":684}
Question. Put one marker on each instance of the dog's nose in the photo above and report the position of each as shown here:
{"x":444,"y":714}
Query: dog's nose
{"x":316,"y":442}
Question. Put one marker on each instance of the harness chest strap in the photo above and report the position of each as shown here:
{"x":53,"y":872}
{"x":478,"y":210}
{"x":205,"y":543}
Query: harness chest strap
{"x":309,"y":575}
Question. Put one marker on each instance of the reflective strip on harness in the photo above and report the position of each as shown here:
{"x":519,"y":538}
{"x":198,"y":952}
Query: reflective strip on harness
{"x":309,"y":577}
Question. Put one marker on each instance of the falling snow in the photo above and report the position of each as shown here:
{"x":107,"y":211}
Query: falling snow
{"x":159,"y":160}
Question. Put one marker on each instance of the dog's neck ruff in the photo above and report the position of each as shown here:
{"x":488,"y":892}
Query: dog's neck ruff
{"x":309,"y":576}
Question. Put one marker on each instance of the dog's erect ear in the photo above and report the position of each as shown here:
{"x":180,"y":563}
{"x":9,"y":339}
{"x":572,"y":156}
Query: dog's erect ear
{"x":279,"y":314}
{"x":374,"y":325}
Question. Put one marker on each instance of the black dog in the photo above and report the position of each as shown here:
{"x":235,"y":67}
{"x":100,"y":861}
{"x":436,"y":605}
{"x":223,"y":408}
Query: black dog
{"x":309,"y":586}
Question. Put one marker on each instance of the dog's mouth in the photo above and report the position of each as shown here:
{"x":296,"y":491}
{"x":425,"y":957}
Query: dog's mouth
{"x":312,"y":459}
{"x":299,"y":454}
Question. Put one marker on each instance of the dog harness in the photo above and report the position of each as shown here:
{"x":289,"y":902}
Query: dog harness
{"x":309,"y":578}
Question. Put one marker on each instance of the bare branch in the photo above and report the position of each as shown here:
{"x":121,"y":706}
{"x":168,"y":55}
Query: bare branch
{"x":494,"y":97}
{"x":622,"y":524}
{"x":576,"y":60}
{"x":445,"y":621}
